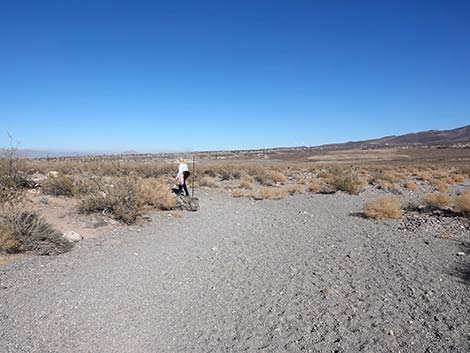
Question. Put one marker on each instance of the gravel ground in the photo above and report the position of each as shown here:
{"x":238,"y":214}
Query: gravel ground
{"x":302,"y":274}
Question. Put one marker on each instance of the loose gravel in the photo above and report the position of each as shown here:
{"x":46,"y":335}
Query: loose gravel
{"x":306,"y":273}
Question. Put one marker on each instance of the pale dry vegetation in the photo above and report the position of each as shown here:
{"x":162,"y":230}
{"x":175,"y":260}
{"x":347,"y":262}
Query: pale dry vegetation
{"x":383,"y":208}
{"x":437,"y":200}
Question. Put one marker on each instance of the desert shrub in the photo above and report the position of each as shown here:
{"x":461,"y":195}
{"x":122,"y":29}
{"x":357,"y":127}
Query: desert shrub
{"x":246,"y":183}
{"x":60,"y":185}
{"x":241,"y":193}
{"x":390,"y":176}
{"x":295,"y":189}
{"x":8,"y":242}
{"x":302,"y":181}
{"x":10,"y":195}
{"x":462,"y":202}
{"x":267,"y":193}
{"x":314,"y":186}
{"x":440,"y":185}
{"x":383,"y":208}
{"x":32,"y":233}
{"x":458,"y":178}
{"x":411,"y":186}
{"x":120,"y":199}
{"x":277,"y":177}
{"x":153,"y":192}
{"x":436,"y":200}
{"x":347,"y":182}
{"x":208,"y":182}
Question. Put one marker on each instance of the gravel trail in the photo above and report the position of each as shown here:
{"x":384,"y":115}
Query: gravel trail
{"x":304,"y":274}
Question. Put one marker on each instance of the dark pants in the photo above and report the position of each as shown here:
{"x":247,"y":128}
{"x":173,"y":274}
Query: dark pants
{"x":181,"y":187}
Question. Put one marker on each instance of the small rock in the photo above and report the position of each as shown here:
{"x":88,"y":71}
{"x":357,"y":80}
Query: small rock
{"x":97,"y":222}
{"x":460,"y":253}
{"x":72,"y":236}
{"x":391,"y":333}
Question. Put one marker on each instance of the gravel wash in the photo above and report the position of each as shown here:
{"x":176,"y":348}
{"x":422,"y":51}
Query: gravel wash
{"x":303,"y":274}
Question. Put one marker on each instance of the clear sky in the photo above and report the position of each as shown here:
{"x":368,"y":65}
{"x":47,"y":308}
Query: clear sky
{"x":177,"y":75}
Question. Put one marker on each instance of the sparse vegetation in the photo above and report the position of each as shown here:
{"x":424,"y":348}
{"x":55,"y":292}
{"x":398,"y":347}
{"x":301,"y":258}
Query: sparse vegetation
{"x":462,"y":202}
{"x":208,"y":182}
{"x":347,"y":182}
{"x":246,"y":183}
{"x":120,"y":199}
{"x":296,"y":189}
{"x":154,"y":192}
{"x":410,"y":185}
{"x":269,"y":193}
{"x":26,"y":231}
{"x":436,"y":200}
{"x":383,"y":208}
{"x":60,"y":185}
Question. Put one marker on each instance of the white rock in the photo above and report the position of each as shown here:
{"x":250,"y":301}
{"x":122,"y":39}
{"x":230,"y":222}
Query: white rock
{"x":72,"y":236}
{"x":460,"y":253}
{"x":53,"y":174}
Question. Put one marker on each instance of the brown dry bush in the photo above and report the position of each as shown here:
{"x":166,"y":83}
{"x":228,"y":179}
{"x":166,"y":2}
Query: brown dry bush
{"x":439,"y":184}
{"x":207,"y":182}
{"x":410,"y":186}
{"x":60,"y":185}
{"x":347,"y":182}
{"x":277,"y":177}
{"x":462,"y":202}
{"x":295,"y":189}
{"x":153,"y":192}
{"x":27,"y":231}
{"x":246,"y":183}
{"x":241,"y":193}
{"x":267,"y":193}
{"x":8,"y":242}
{"x":120,"y":199}
{"x":436,"y":200}
{"x":458,"y":178}
{"x":314,"y":186}
{"x":383,"y":208}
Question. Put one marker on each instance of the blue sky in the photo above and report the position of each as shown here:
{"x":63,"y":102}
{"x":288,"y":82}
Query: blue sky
{"x":197,"y":75}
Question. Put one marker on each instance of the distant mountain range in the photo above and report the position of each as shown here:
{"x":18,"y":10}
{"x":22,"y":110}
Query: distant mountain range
{"x":418,"y":139}
{"x":459,"y":136}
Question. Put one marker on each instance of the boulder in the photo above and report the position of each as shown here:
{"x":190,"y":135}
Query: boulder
{"x":72,"y":236}
{"x":186,"y":203}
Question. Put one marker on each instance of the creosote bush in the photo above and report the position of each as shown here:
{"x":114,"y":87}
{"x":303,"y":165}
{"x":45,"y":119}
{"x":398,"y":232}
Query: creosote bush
{"x":207,"y":182}
{"x":60,"y":185}
{"x":246,"y":183}
{"x":383,"y":208}
{"x":120,"y":199}
{"x":26,"y":231}
{"x":436,"y":200}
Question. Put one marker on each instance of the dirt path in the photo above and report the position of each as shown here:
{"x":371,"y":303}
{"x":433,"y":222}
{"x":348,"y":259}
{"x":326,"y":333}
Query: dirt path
{"x":301,"y":274}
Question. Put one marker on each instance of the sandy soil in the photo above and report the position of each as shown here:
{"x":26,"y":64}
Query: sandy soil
{"x":306,"y":273}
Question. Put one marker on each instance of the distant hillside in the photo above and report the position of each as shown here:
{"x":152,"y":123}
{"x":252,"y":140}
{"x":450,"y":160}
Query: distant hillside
{"x":432,"y":137}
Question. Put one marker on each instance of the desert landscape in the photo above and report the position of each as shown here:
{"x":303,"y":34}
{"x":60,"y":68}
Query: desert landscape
{"x":338,"y":250}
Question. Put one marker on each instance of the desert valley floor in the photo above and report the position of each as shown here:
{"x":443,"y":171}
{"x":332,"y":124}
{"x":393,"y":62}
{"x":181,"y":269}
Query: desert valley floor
{"x":303,"y":274}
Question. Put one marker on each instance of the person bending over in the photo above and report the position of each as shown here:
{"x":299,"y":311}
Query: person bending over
{"x":182,"y":176}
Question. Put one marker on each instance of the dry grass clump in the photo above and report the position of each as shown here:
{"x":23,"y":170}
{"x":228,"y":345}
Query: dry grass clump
{"x":26,"y":231}
{"x":347,"y":182}
{"x":383,"y":208}
{"x":296,"y":189}
{"x":208,"y":182}
{"x":8,"y":242}
{"x":153,"y":192}
{"x":439,"y":184}
{"x":241,"y":193}
{"x":60,"y":185}
{"x":246,"y":183}
{"x":458,"y":178}
{"x":267,"y":193}
{"x":277,"y":177}
{"x":462,"y":202}
{"x":436,"y":200}
{"x":410,"y":185}
{"x":120,"y":198}
{"x":314,"y":186}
